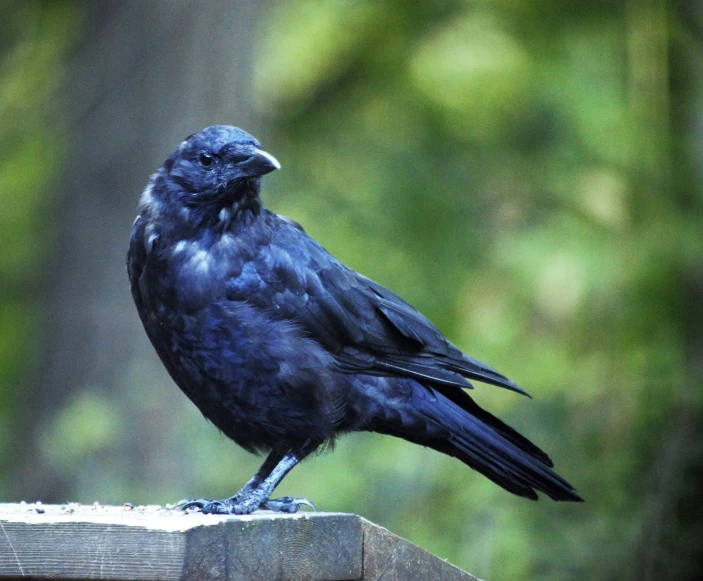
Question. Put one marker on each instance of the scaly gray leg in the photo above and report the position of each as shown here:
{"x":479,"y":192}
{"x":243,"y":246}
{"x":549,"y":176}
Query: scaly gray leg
{"x":256,"y":492}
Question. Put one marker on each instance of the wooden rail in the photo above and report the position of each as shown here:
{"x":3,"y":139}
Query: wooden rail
{"x":152,"y":543}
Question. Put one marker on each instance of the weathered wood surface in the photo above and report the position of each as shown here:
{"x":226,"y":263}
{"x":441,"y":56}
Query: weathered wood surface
{"x":151,"y":543}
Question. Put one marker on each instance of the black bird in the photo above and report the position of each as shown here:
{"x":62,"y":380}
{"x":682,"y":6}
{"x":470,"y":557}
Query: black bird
{"x":283,"y":347}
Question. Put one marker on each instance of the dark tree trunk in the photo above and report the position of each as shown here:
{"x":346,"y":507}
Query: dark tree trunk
{"x":145,"y":75}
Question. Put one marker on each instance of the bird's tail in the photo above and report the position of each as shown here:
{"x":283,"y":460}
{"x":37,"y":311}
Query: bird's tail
{"x":460,"y":428}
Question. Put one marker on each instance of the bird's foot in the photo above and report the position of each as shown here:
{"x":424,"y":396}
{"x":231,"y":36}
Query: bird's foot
{"x":226,"y":506}
{"x":286,"y":504}
{"x":237,"y":505}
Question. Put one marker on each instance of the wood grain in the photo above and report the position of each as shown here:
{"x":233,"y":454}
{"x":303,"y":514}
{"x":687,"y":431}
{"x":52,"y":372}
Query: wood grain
{"x":152,"y":543}
{"x":392,"y":558}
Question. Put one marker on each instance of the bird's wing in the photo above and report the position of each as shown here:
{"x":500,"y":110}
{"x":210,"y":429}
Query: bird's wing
{"x":367,"y":327}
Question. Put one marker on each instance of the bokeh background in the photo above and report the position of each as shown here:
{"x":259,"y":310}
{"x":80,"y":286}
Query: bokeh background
{"x":525,"y":172}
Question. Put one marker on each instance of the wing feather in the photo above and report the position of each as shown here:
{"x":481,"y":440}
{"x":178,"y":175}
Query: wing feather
{"x":370,"y":329}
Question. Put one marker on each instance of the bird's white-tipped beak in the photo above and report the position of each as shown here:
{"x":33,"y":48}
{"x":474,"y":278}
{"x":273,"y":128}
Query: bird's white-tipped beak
{"x":273,"y":160}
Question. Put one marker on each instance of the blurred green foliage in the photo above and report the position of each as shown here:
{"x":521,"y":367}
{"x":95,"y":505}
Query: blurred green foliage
{"x":34,"y":44}
{"x":527,"y":173}
{"x":508,"y":168}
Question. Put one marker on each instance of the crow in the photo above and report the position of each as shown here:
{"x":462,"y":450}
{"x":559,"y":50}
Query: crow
{"x":283,"y":348}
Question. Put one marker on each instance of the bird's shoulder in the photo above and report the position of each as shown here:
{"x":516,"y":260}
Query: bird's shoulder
{"x":334,"y":303}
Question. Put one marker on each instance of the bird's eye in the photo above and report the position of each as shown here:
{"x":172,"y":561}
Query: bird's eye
{"x":205,"y":160}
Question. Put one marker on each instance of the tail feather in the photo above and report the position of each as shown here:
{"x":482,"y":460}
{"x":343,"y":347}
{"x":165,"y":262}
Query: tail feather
{"x":489,"y":446}
{"x":465,"y":402}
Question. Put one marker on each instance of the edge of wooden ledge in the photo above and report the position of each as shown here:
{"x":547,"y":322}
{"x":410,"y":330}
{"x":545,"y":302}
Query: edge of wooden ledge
{"x":148,"y":543}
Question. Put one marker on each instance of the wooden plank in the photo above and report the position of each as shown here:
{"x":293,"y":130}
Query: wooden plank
{"x":156,"y":544}
{"x":152,"y":543}
{"x":392,"y":558}
{"x":268,"y":546}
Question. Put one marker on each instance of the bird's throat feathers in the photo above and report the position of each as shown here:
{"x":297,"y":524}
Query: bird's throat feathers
{"x":231,"y":207}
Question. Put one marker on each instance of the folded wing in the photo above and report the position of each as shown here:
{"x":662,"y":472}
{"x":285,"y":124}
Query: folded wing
{"x":367,"y":327}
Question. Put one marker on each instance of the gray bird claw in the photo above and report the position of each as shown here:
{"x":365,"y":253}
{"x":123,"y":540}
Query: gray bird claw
{"x":286,"y":504}
{"x":189,"y":504}
{"x":214,"y":506}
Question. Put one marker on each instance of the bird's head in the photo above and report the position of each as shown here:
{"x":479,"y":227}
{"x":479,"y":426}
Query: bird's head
{"x":213,"y":171}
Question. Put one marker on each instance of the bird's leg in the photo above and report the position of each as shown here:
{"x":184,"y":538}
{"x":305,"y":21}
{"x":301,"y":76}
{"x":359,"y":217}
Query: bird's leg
{"x":269,"y":464}
{"x":267,"y":467}
{"x":255,"y":493}
{"x":286,"y":503}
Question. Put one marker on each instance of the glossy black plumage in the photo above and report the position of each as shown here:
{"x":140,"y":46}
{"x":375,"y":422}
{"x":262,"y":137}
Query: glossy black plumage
{"x":283,"y":348}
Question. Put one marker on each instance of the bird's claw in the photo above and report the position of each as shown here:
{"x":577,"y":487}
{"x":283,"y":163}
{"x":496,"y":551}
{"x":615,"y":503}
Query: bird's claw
{"x":202,"y":505}
{"x":189,"y":504}
{"x":286,"y":504}
{"x":227,"y":506}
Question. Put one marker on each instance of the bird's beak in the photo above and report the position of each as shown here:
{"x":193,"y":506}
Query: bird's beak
{"x":260,"y":163}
